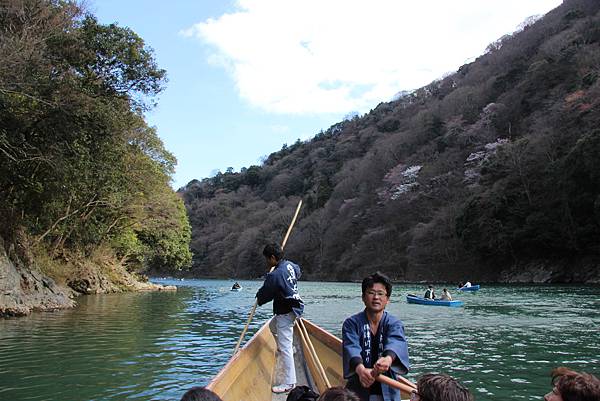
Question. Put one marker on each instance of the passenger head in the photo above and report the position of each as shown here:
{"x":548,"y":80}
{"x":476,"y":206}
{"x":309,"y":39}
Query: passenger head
{"x":273,"y":253}
{"x":432,"y":387}
{"x":569,"y":385}
{"x":200,"y":394}
{"x":430,"y":287}
{"x":370,"y":281}
{"x":338,"y":394}
{"x":445,"y":290}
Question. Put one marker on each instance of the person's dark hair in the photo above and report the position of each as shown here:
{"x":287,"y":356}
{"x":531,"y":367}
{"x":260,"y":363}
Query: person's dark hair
{"x":369,"y":282}
{"x":338,"y":394}
{"x":575,"y":386}
{"x":430,"y":286}
{"x":302,"y":393}
{"x":441,"y":387}
{"x":200,"y":394}
{"x":273,"y":249}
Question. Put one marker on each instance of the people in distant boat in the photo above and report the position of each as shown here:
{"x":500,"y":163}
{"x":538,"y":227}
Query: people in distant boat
{"x":460,"y":285}
{"x":236,"y":286}
{"x":467,"y":284}
{"x":446,"y":295}
{"x":429,"y":293}
{"x":433,"y":387}
{"x":569,"y":385}
{"x":374,"y":343}
{"x":338,"y":394}
{"x":200,"y":394}
{"x":281,"y":287}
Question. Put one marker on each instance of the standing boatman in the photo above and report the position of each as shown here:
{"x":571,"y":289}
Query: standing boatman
{"x":281,"y":287}
{"x":374,"y":343}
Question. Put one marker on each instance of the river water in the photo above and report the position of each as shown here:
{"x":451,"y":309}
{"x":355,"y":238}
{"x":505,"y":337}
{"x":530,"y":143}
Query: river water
{"x":153,"y":346}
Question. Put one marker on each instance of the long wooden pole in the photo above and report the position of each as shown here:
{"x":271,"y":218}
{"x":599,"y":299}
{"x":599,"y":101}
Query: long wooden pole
{"x":313,"y":353}
{"x":287,"y":235}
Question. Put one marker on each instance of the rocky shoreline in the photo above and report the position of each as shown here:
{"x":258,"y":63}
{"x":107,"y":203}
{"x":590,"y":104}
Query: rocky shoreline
{"x":24,"y":289}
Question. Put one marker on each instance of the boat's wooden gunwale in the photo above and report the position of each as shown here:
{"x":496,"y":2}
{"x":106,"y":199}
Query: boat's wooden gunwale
{"x":324,"y":336}
{"x":248,"y":374}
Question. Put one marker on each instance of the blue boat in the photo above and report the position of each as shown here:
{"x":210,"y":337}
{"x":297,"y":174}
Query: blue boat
{"x":413,"y":299}
{"x":471,"y":288}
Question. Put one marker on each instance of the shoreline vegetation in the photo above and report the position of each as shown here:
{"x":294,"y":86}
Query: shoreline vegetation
{"x":86,"y":204}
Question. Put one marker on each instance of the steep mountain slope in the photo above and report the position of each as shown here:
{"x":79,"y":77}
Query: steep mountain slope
{"x":492,"y":172}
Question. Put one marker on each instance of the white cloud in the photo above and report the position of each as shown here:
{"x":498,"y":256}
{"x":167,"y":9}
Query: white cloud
{"x":315,"y":56}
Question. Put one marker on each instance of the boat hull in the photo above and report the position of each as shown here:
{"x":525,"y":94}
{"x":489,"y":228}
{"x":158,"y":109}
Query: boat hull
{"x":433,"y":302}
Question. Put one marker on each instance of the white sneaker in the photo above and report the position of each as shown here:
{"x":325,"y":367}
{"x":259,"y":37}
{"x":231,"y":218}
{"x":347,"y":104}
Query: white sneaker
{"x":283,"y":388}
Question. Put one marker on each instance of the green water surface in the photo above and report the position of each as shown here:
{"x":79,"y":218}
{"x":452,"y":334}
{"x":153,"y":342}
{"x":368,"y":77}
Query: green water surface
{"x":153,"y":346}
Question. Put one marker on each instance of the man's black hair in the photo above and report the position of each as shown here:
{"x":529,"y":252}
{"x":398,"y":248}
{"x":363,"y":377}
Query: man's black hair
{"x":369,"y":282}
{"x":273,"y":249}
{"x":200,"y":394}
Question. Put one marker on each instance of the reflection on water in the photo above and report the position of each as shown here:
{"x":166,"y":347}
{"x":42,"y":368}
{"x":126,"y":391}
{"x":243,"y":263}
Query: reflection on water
{"x":502,"y":344}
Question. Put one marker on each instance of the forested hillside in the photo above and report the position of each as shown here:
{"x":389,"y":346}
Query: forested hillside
{"x":85,"y":196}
{"x":492,"y":168}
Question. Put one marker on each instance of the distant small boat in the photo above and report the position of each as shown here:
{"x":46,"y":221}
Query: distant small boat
{"x":471,"y":288}
{"x":236,"y":289}
{"x":413,"y":299}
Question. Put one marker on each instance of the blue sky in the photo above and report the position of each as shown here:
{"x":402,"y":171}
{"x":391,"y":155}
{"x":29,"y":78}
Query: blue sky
{"x":247,"y":76}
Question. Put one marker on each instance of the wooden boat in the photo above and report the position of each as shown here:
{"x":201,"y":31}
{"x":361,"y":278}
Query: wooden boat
{"x":471,"y":288}
{"x":249,"y":375}
{"x":413,"y":299}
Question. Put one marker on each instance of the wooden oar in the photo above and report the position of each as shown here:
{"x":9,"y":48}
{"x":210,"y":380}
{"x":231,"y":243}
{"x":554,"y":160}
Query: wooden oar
{"x":406,"y":381}
{"x":395,"y":383}
{"x":287,"y":234}
{"x":313,"y":353}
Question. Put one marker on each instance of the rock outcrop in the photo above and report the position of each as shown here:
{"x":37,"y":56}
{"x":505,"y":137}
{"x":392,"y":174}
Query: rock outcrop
{"x":24,"y":289}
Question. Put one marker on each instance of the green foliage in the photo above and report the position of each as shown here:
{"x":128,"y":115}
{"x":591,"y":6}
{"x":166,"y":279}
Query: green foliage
{"x":128,"y":244}
{"x":166,"y":235}
{"x":118,"y":60}
{"x":79,"y":164}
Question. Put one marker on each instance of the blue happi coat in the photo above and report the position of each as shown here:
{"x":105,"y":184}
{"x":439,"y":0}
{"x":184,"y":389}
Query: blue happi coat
{"x":281,"y":287}
{"x":357,"y":338}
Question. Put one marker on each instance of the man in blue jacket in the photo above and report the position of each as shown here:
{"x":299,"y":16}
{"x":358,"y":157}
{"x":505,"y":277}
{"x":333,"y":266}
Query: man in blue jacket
{"x":281,"y":287}
{"x":374,"y":343}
